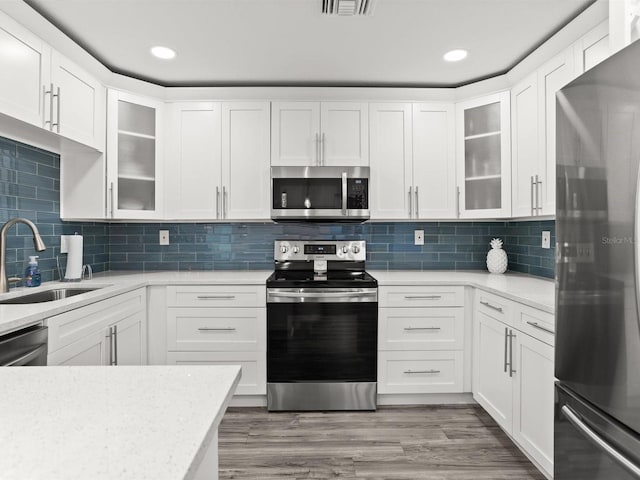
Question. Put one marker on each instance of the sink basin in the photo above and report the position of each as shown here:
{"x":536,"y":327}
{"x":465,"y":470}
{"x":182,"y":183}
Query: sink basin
{"x":46,"y":296}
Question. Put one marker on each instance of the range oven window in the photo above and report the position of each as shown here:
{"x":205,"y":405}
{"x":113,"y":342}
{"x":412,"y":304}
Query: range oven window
{"x":322,"y":342}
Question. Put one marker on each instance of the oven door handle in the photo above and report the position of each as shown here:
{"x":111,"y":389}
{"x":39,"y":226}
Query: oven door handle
{"x":322,"y":295}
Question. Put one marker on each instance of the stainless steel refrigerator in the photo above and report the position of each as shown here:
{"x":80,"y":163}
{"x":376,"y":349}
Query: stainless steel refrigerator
{"x":597,"y":416}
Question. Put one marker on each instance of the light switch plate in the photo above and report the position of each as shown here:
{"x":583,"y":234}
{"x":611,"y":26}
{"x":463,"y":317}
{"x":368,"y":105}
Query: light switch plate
{"x":164,"y":237}
{"x":546,"y":239}
{"x":418,"y":237}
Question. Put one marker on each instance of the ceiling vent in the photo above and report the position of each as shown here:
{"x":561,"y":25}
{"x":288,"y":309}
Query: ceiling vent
{"x":347,"y":8}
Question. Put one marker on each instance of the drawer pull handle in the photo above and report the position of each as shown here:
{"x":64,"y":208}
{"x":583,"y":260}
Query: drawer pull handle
{"x":421,"y":371}
{"x":211,"y":329}
{"x":487,"y":304}
{"x":540,"y":327}
{"x":421,"y":328}
{"x":423,"y":297}
{"x":216,"y":297}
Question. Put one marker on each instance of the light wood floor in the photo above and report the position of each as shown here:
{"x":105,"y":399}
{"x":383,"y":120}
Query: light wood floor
{"x":409,"y":443}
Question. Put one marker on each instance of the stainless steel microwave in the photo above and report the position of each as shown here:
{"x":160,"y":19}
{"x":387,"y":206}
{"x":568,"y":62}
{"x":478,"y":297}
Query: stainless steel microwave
{"x":320,"y":193}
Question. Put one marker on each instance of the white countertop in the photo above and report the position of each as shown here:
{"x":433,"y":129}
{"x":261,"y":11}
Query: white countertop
{"x":151,"y":422}
{"x":533,"y":291}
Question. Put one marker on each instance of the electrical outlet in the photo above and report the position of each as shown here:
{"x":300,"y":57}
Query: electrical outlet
{"x":546,"y":239}
{"x":164,"y":237}
{"x":418,"y":237}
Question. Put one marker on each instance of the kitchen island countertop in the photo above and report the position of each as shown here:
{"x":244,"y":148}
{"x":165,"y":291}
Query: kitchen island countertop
{"x":105,"y":423}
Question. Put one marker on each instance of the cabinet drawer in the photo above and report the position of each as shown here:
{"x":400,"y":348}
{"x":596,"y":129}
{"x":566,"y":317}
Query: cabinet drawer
{"x":538,"y":324}
{"x":421,"y":296}
{"x":253,"y":380}
{"x":216,"y":329}
{"x":216,"y":296}
{"x":421,"y":328}
{"x":494,"y":306}
{"x":420,"y":372}
{"x":69,"y":327}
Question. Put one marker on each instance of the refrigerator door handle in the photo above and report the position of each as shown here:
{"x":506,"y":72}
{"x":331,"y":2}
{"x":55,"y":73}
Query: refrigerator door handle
{"x":600,"y":442}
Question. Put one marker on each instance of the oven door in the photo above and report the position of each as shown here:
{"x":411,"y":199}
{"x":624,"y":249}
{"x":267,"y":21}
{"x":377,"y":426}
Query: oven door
{"x":322,"y":335}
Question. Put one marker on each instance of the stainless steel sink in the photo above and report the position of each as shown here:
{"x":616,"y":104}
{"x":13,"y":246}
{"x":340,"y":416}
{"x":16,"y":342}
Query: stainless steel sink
{"x":46,"y":296}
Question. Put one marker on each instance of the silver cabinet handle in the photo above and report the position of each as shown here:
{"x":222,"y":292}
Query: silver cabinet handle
{"x":417,"y":203}
{"x":344,"y":191}
{"x":115,"y":345}
{"x":421,"y":371}
{"x":211,"y":329}
{"x":423,"y":297}
{"x":540,"y":327}
{"x":111,"y":198}
{"x":410,"y":202}
{"x":506,"y":346}
{"x":322,"y":145}
{"x":533,"y":206}
{"x":458,"y":201}
{"x":224,"y":202}
{"x":216,"y":297}
{"x":539,"y":193}
{"x":217,"y":202}
{"x":57,"y":124}
{"x":421,"y":328}
{"x":511,"y":337}
{"x":111,"y":341}
{"x":537,"y":197}
{"x":50,"y":121}
{"x":317,"y":149}
{"x":487,"y":304}
{"x":600,"y":442}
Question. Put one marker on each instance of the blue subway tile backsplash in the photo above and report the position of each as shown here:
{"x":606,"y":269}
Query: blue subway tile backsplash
{"x":30,"y":187}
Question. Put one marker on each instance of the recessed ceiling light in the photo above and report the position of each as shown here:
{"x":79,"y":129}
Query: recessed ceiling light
{"x":455,"y":55}
{"x":163,"y":52}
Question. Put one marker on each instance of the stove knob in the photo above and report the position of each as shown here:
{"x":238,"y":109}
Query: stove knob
{"x":355,"y":249}
{"x":284,"y":249}
{"x":295,"y":249}
{"x":345,"y":249}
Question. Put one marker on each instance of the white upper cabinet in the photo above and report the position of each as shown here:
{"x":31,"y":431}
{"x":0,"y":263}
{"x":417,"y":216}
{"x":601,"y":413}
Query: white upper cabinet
{"x":552,"y":76}
{"x":319,"y":134}
{"x":246,"y":186}
{"x":391,"y":160}
{"x":484,"y":156}
{"x":217,"y":160}
{"x":47,"y":90}
{"x":193,"y":161}
{"x":526,"y":165}
{"x":134,"y":153}
{"x":434,"y":162}
{"x":592,"y":48}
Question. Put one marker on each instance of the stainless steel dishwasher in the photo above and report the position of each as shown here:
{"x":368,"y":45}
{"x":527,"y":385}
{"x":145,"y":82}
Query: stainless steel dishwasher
{"x":24,"y":347}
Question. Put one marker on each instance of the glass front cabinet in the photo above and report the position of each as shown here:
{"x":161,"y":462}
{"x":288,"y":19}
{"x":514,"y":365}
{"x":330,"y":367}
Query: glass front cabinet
{"x":133,"y":157}
{"x":483,"y":157}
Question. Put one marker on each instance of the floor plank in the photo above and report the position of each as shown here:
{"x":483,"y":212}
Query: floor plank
{"x":438,"y":442}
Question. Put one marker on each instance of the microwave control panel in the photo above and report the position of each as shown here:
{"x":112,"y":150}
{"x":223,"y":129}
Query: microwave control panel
{"x":357,"y":193}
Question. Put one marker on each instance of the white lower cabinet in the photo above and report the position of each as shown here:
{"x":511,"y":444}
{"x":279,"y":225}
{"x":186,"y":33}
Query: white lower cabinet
{"x":109,"y":332}
{"x":220,"y":325}
{"x":420,"y":339}
{"x":513,"y":373}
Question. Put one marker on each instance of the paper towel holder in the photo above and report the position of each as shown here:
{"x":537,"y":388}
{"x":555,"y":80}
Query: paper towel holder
{"x":72,"y":245}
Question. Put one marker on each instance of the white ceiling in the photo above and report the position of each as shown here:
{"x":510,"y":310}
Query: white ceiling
{"x":289,"y":42}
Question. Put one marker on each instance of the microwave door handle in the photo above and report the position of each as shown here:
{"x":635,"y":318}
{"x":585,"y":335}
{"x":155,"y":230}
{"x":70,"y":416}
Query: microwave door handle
{"x":344,"y":194}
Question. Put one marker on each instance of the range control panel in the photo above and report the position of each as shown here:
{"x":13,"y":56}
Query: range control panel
{"x":308,"y":250}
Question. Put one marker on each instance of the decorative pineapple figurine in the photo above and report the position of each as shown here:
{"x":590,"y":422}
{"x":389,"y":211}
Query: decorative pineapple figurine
{"x":497,"y":257}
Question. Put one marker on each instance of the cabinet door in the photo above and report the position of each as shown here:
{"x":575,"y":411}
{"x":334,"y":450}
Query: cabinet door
{"x":193,"y":161}
{"x":345,"y":134}
{"x":492,"y":385}
{"x":134,"y":152}
{"x":434,"y":169}
{"x":130,"y":340}
{"x":25,"y":63}
{"x":246,"y":172}
{"x":484,"y":156}
{"x":525,"y":161}
{"x":92,"y":349}
{"x":79,"y":109}
{"x":391,"y":160}
{"x":533,"y":399}
{"x":552,"y":76}
{"x":592,"y":48}
{"x":295,"y":133}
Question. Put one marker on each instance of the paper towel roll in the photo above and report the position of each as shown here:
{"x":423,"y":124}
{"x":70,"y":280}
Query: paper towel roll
{"x":72,"y":244}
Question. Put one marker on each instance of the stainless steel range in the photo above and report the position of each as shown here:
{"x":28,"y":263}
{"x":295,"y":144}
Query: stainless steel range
{"x":322,"y":327}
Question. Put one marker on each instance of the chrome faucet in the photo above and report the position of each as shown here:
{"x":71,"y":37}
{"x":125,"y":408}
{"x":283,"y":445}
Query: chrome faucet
{"x":37,"y":243}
